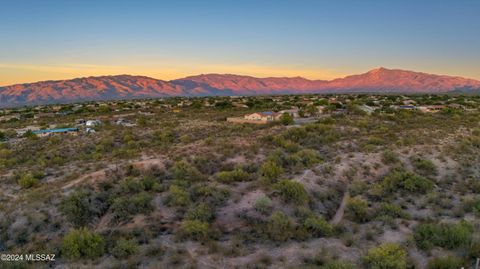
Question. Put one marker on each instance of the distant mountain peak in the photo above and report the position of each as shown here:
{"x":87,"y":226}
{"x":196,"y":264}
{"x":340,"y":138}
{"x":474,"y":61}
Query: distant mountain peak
{"x":378,"y":80}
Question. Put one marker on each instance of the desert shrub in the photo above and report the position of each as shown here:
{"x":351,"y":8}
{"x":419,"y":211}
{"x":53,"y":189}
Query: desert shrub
{"x":389,"y":157}
{"x":27,"y":181}
{"x":236,"y":175}
{"x":82,"y":243}
{"x":81,"y":206}
{"x":201,"y":212}
{"x":448,"y":262}
{"x":357,"y":209}
{"x":307,"y":157}
{"x":386,"y":256}
{"x":407,"y":181}
{"x":124,"y":248}
{"x":270,"y":172}
{"x":280,"y":227}
{"x":210,"y":194}
{"x":473,"y":250}
{"x":130,"y":185}
{"x":422,"y":166}
{"x":125,"y":206}
{"x":263,"y":204}
{"x":150,"y":183}
{"x":177,"y":196}
{"x":318,"y":226}
{"x":165,"y":137}
{"x":446,"y":235}
{"x":292,"y":191}
{"x":286,"y":119}
{"x":472,"y":205}
{"x":390,"y":210}
{"x":182,"y":170}
{"x":194,"y":229}
{"x":357,"y":188}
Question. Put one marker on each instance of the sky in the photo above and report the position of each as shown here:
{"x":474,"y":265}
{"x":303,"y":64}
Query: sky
{"x":50,"y":40}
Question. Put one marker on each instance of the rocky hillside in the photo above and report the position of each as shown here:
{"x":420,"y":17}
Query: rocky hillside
{"x":130,"y":87}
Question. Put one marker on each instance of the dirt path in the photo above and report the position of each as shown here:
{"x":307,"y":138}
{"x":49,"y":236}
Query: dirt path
{"x":341,"y":209}
{"x":142,"y":164}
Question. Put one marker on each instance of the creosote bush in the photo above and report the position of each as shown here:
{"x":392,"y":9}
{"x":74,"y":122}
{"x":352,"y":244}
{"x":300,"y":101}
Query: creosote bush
{"x":448,"y":262}
{"x":82,"y":243}
{"x":201,"y":212}
{"x":125,"y":248}
{"x":292,"y":191}
{"x":386,"y":256}
{"x":126,"y":206}
{"x":177,"y":196}
{"x":27,"y":181}
{"x":81,"y":207}
{"x":182,"y":170}
{"x":407,"y":181}
{"x":270,"y":172}
{"x":446,"y":235}
{"x":280,"y":227}
{"x":236,"y":175}
{"x":195,"y":230}
{"x":318,"y":226}
{"x":423,"y":166}
{"x":263,"y":204}
{"x":357,"y":209}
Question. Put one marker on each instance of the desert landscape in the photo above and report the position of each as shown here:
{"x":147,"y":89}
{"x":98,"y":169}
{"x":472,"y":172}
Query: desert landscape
{"x":343,"y":181}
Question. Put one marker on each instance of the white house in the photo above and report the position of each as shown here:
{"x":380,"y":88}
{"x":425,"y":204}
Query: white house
{"x":263,"y":116}
{"x":92,"y":123}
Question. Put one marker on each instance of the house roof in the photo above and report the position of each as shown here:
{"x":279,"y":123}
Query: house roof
{"x":268,"y":113}
{"x":59,"y":130}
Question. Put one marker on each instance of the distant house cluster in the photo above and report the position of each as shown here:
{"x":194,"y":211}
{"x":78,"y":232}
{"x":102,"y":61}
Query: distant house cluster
{"x":264,"y":117}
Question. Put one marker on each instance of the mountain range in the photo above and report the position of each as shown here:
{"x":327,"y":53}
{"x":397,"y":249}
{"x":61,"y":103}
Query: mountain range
{"x":380,"y":80}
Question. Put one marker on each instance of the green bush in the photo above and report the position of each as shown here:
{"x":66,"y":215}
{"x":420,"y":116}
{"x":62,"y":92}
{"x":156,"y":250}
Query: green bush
{"x":386,"y":256}
{"x":80,"y":207}
{"x":270,"y":172}
{"x":318,"y":226}
{"x":82,"y":243}
{"x":446,"y":235}
{"x":124,"y":248}
{"x":390,"y":210}
{"x":195,"y":230}
{"x":389,"y":157}
{"x":126,"y":206}
{"x":400,"y":179}
{"x":280,"y":227}
{"x":27,"y":181}
{"x":177,"y":196}
{"x":209,"y":194}
{"x":472,"y":205}
{"x":449,"y":262}
{"x":422,"y":166}
{"x":184,"y":171}
{"x":357,"y":210}
{"x":236,"y":175}
{"x":263,"y":204}
{"x":292,"y":191}
{"x":357,"y":188}
{"x":286,"y":119}
{"x":202,"y":212}
{"x":307,"y":157}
